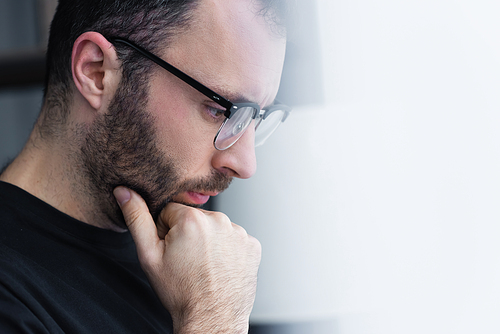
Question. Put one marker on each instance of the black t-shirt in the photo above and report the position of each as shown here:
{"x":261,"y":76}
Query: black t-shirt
{"x":60,"y":275}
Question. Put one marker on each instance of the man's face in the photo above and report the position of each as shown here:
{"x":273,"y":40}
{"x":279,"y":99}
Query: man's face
{"x":161,"y":144}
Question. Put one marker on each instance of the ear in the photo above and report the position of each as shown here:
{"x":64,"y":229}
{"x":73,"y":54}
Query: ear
{"x":95,"y":68}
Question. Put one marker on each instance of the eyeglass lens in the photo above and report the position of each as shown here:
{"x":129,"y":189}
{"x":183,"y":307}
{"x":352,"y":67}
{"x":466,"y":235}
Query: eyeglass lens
{"x":233,"y":128}
{"x":265,"y":127}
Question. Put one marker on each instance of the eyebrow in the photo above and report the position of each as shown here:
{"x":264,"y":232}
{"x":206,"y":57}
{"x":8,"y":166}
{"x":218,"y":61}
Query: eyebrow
{"x":234,"y":97}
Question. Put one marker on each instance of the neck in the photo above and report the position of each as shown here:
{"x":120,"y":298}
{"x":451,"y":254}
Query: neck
{"x":54,"y":174}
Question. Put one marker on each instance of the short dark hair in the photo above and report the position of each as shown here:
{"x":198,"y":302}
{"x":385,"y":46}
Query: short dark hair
{"x":150,"y":23}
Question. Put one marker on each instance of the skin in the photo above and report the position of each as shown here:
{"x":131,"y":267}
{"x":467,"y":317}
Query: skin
{"x":202,"y":266}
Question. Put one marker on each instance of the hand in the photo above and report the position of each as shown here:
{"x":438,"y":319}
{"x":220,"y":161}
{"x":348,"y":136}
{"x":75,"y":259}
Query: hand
{"x":201,"y":265}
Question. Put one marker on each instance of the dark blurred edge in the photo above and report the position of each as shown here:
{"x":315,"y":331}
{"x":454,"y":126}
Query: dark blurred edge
{"x":22,"y":68}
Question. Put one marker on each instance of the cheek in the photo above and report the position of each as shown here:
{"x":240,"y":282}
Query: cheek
{"x":180,"y":133}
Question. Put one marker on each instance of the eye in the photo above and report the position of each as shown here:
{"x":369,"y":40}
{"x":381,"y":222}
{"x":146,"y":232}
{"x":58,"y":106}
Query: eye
{"x":216,"y":114}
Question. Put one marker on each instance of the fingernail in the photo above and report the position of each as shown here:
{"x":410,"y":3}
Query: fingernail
{"x":122,"y":195}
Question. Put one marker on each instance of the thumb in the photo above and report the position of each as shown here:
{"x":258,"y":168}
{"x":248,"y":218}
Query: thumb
{"x":140,"y":224}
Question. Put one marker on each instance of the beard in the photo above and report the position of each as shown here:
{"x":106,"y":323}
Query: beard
{"x":120,"y":149}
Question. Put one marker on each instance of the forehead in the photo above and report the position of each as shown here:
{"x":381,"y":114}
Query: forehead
{"x":232,"y":50}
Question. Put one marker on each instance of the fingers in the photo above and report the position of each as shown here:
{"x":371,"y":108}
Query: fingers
{"x":185,"y":223}
{"x":140,"y":224}
{"x":179,"y":214}
{"x":175,"y":214}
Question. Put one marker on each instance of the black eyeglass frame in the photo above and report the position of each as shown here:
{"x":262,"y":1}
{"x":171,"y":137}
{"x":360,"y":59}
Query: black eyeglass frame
{"x":231,"y":107}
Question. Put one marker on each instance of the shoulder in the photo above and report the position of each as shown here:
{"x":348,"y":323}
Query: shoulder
{"x":16,"y":308}
{"x":15,"y":316}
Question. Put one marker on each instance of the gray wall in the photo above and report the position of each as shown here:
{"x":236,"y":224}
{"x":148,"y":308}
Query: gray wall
{"x":18,"y":106}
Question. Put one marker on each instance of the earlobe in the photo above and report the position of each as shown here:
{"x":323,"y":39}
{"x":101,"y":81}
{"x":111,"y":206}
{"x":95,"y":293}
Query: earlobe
{"x":93,"y":66}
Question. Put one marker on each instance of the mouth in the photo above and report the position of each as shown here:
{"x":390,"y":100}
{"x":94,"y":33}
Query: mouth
{"x":193,"y":197}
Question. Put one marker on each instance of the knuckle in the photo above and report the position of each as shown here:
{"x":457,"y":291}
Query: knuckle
{"x":220,"y":217}
{"x":134,"y":215}
{"x":148,"y":259}
{"x":255,"y":245}
{"x":192,"y":220}
{"x":133,"y":218}
{"x":195,"y":214}
{"x":240,"y":231}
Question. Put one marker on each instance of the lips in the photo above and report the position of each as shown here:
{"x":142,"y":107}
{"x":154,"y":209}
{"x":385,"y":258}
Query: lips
{"x":192,"y":197}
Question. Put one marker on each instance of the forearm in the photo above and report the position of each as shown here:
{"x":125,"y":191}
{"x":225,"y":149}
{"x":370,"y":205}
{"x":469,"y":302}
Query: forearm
{"x":218,"y":310}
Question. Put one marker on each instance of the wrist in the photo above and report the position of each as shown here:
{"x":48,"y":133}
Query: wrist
{"x":209,"y":321}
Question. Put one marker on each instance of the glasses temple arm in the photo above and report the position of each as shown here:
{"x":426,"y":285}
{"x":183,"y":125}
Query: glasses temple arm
{"x":178,"y":73}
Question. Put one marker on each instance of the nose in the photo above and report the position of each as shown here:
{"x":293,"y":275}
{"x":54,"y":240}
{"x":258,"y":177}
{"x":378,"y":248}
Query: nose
{"x":238,"y":160}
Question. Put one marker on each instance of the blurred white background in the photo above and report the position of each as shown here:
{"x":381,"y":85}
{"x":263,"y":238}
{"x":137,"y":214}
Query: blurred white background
{"x":378,"y":208}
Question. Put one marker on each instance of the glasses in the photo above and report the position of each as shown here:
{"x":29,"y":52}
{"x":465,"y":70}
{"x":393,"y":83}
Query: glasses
{"x":238,"y":115}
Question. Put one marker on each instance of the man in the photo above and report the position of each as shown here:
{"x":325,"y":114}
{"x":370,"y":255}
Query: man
{"x":150,"y":108}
